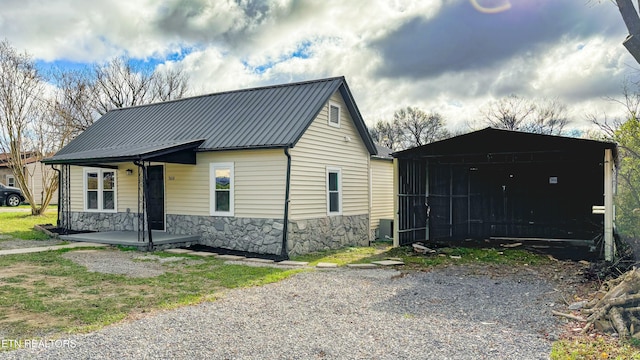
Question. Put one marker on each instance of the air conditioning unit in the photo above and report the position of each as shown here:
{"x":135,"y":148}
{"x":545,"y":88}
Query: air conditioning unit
{"x":385,"y":229}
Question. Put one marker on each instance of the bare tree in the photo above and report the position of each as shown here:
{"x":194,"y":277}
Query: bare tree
{"x":549,"y":117}
{"x":387,"y":134}
{"x":21,"y":101}
{"x":119,"y":84}
{"x":170,"y":84}
{"x":74,"y":107}
{"x":510,"y":112}
{"x":544,"y":116}
{"x":418,"y":127}
{"x":85,"y":95}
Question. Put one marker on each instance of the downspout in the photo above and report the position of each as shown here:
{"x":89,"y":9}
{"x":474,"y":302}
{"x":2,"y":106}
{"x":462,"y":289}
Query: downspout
{"x":145,"y":190}
{"x":285,"y":230}
{"x":59,"y":192}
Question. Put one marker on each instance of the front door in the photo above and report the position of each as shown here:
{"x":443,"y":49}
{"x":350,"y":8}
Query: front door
{"x":155,"y":204}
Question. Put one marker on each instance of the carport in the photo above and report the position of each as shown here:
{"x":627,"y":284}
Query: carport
{"x":499,"y":184}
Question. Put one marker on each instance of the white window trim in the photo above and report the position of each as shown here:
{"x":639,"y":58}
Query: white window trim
{"x":212,"y":189}
{"x":100,"y":172}
{"x":338,"y":170}
{"x":9,"y":181}
{"x":331,"y":103}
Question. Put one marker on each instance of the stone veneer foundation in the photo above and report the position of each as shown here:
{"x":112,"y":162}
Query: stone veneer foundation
{"x":101,"y":221}
{"x":332,"y":232}
{"x":262,"y":236}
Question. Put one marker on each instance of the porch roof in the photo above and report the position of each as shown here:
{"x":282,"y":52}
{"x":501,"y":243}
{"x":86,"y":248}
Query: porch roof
{"x":180,"y":152}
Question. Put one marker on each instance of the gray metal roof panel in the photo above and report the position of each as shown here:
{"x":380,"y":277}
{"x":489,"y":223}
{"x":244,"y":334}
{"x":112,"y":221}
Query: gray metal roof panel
{"x":271,"y":116}
{"x":123,"y":151}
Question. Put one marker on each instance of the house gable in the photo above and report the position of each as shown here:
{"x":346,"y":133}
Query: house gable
{"x":323,"y":146}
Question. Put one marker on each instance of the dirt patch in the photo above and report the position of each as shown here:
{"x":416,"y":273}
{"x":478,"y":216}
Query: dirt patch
{"x":115,"y":262}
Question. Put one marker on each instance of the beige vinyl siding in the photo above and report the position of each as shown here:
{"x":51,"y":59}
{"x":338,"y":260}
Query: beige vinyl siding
{"x":324,"y":146}
{"x":126,"y":187}
{"x":381,"y":191}
{"x":259,"y":183}
{"x":77,"y":188}
{"x":35,"y":172}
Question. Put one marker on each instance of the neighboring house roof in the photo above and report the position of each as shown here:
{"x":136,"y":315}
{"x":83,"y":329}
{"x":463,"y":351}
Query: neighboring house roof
{"x":498,"y":141}
{"x":264,"y":117}
{"x":29,"y":157}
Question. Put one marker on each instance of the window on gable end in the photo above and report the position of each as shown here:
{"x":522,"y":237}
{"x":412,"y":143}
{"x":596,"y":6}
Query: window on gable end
{"x":334,"y":114}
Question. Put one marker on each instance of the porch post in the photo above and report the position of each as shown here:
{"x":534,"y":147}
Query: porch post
{"x":609,"y":244}
{"x":146,"y":204}
{"x":396,"y":206}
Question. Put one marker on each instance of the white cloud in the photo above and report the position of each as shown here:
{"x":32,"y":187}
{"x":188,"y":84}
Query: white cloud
{"x":245,"y":43}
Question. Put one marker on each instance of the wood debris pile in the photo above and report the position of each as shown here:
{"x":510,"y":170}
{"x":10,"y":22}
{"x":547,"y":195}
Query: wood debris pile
{"x":616,"y":306}
{"x":421,"y":249}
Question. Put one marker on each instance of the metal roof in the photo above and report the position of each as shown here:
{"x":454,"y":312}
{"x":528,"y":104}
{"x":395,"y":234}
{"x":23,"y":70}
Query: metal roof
{"x":264,"y":117}
{"x":383,"y":152}
{"x":496,"y":141}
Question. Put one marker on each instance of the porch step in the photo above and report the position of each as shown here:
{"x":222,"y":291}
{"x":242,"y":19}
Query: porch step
{"x":201,"y":253}
{"x":230,"y":257}
{"x":178,"y":251}
{"x":362,"y":266}
{"x":293,"y":263}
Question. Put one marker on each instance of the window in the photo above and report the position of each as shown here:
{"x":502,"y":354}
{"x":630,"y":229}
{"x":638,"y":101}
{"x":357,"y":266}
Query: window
{"x":11,"y":181}
{"x":99,"y":190}
{"x":334,"y":191}
{"x":221,"y":180}
{"x":334,"y":114}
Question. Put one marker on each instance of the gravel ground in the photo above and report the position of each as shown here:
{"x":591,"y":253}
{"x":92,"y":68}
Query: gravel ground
{"x":340,"y":314}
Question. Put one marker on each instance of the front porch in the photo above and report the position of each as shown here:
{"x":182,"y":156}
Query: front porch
{"x":161,"y":239}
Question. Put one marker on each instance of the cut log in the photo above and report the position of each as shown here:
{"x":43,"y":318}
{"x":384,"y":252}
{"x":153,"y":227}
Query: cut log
{"x":618,"y":307}
{"x":618,"y":323}
{"x":511,"y":245}
{"x":419,"y":248}
{"x":569,"y":316}
{"x":629,"y":284}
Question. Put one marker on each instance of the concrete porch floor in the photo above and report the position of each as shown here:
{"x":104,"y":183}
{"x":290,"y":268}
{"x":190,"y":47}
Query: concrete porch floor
{"x":161,"y":239}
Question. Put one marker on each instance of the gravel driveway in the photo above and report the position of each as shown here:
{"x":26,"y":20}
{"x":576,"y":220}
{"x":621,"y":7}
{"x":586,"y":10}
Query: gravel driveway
{"x":340,"y":314}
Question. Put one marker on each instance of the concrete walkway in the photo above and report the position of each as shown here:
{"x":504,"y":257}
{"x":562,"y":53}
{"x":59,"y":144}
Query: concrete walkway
{"x":289,"y":263}
{"x":49,"y":248}
{"x":234,"y":258}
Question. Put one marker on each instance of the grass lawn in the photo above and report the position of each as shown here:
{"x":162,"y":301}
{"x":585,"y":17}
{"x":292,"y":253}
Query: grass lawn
{"x":19,"y":224}
{"x":45,"y":294}
{"x":586,"y":348}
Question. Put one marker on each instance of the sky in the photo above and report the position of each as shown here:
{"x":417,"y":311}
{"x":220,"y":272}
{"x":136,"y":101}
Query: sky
{"x":448,"y":56}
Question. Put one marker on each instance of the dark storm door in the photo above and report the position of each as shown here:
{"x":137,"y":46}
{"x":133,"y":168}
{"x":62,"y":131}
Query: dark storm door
{"x":155,"y":203}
